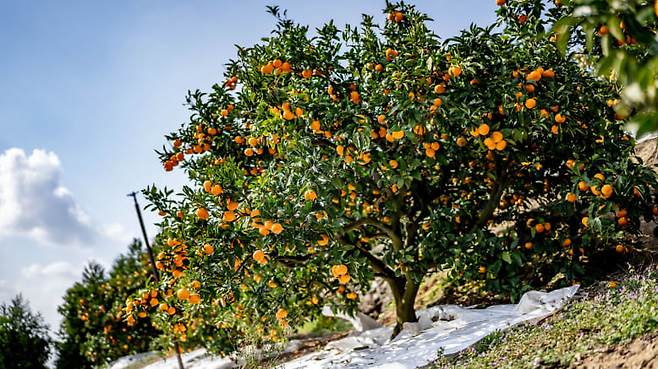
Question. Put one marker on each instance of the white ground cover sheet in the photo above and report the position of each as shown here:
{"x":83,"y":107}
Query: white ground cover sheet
{"x":448,"y":328}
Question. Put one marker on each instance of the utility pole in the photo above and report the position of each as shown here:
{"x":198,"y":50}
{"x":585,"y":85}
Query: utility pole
{"x":156,"y":275}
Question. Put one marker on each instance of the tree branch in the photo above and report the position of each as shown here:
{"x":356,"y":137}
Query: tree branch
{"x":491,"y":205}
{"x":390,"y":233}
{"x":377,"y":265}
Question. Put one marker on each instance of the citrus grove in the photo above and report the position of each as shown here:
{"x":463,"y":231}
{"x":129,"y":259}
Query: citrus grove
{"x":93,"y":331}
{"x":326,"y":158}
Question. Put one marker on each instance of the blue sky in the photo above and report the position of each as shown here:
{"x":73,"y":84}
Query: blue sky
{"x":94,"y":86}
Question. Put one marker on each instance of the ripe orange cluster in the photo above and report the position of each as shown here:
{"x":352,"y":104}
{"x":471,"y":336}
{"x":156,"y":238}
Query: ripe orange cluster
{"x":267,"y":227}
{"x":230,"y":214}
{"x":315,"y":127}
{"x":495,"y":142}
{"x":281,"y":316}
{"x":175,"y":158}
{"x":395,"y":16}
{"x":431,"y":148}
{"x":260,"y":257}
{"x":621,"y":216}
{"x":436,"y":104}
{"x":390,"y":54}
{"x":211,"y":188}
{"x":277,"y":66}
{"x":174,"y":260}
{"x":225,"y":112}
{"x":193,"y":297}
{"x":147,"y":299}
{"x":606,"y":190}
{"x":286,"y":112}
{"x":231,"y":82}
{"x":203,"y":137}
{"x":339,"y":272}
{"x":257,"y":145}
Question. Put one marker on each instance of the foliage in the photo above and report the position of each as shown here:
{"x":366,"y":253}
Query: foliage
{"x":200,"y":328}
{"x":326,"y":159}
{"x":24,"y":339}
{"x":616,"y":312}
{"x":619,"y":38}
{"x":93,"y":331}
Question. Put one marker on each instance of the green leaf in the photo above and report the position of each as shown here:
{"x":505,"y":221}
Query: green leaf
{"x":615,"y":29}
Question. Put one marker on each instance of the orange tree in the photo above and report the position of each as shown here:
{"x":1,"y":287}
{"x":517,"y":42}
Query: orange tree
{"x":324,"y":160}
{"x":619,"y":38}
{"x":177,"y":326}
{"x":93,"y":331}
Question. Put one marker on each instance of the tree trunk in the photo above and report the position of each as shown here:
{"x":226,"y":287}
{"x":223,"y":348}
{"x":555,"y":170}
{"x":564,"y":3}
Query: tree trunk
{"x":404,"y":294}
{"x":178,"y":356}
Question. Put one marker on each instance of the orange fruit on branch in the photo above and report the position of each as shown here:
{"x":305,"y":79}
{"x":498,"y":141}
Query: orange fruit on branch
{"x":607,"y":191}
{"x":259,"y":256}
{"x":323,"y":241}
{"x":216,"y":190}
{"x":501,"y":145}
{"x":231,"y":205}
{"x":183,"y":294}
{"x":281,"y":314}
{"x":277,"y":228}
{"x":202,"y":213}
{"x":267,"y":68}
{"x":208,"y":249}
{"x":310,"y":195}
{"x":229,"y":216}
{"x":391,"y":54}
{"x":344,"y":279}
{"x":583,"y":186}
{"x":195,"y":299}
{"x":455,"y":70}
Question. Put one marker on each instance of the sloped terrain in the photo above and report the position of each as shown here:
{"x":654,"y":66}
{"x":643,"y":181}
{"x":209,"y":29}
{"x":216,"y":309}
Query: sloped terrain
{"x":640,"y":353}
{"x":610,"y":325}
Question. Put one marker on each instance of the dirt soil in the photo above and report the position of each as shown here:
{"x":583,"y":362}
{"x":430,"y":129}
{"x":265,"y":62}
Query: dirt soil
{"x":641,"y":353}
{"x":647,"y":150}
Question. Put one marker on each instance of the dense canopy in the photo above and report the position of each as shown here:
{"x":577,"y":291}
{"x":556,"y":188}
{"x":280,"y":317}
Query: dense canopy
{"x":327,"y":158}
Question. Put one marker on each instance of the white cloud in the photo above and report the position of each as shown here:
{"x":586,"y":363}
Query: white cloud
{"x":33,"y":201}
{"x":116,"y":232}
{"x":43,"y":285}
{"x":60,"y":269}
{"x":35,"y":205}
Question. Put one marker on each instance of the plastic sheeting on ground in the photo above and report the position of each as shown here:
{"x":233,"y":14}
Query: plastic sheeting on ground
{"x":448,"y":328}
{"x":197,"y":359}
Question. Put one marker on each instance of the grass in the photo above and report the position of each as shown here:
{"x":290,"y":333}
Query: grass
{"x":603,"y":316}
{"x":323,"y":326}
